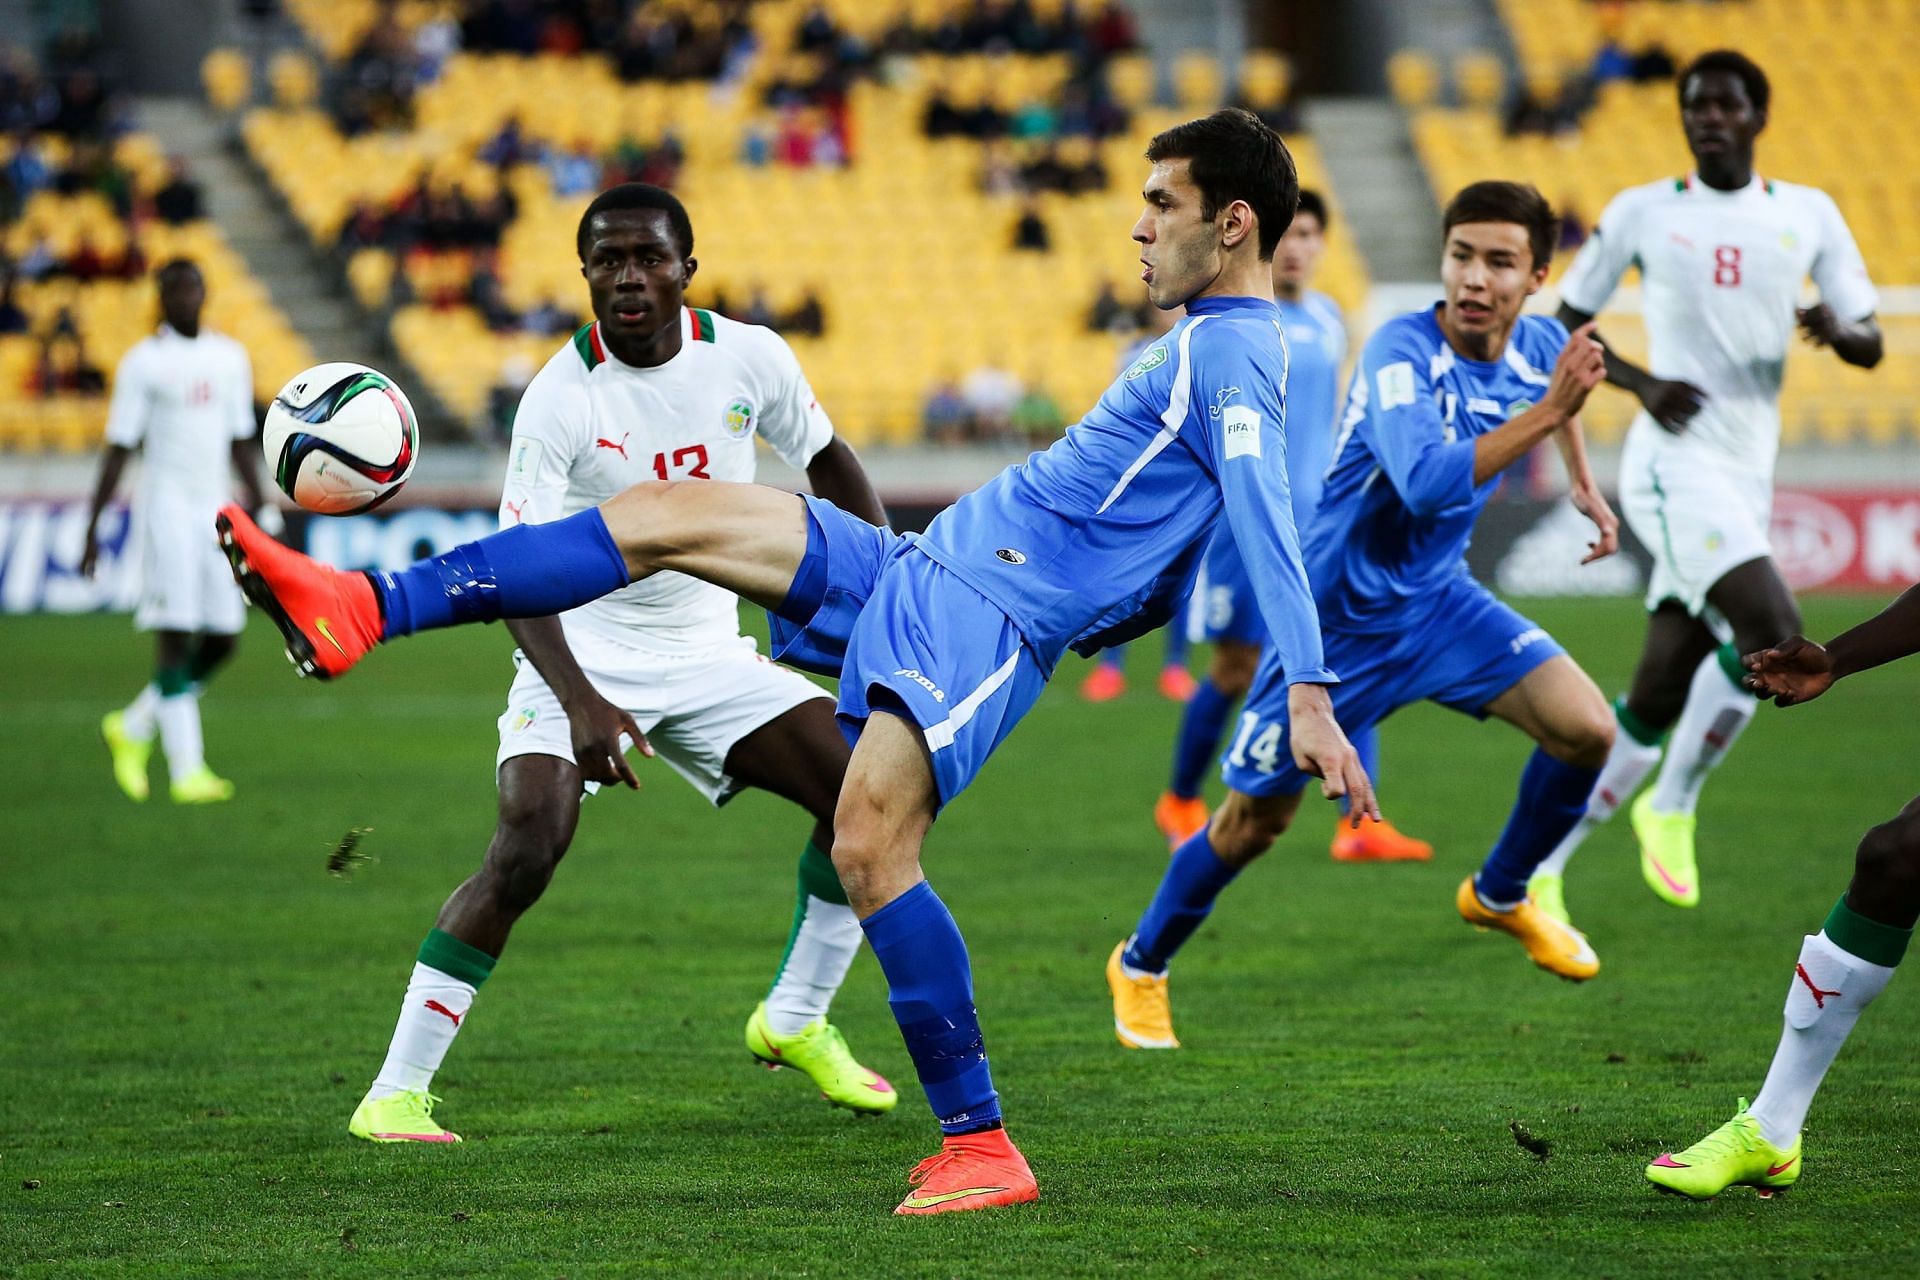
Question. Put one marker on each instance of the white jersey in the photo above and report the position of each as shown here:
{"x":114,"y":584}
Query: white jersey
{"x":590,"y":426}
{"x":1720,"y":278}
{"x":186,"y":400}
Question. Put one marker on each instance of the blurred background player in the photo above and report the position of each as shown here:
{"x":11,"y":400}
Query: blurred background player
{"x":1444,"y":400}
{"x":184,"y":397}
{"x":1223,"y":611}
{"x":1840,"y":969}
{"x":650,"y":389}
{"x":1722,"y":254}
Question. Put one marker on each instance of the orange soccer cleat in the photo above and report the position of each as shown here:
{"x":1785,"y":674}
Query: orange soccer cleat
{"x":1103,"y":684}
{"x":330,"y":619}
{"x":1177,"y":684}
{"x":971,"y":1171}
{"x":1178,"y":817}
{"x":1376,"y":840}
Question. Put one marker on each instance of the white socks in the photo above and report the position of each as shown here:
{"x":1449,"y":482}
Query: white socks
{"x":1717,"y":710}
{"x":816,"y":964}
{"x":1824,"y":999}
{"x":1627,"y":766}
{"x":435,"y":1006}
{"x":140,"y":719}
{"x":179,"y":718}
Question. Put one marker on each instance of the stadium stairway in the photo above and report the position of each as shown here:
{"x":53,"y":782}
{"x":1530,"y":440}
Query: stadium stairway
{"x":301,"y":283}
{"x":1387,"y":199}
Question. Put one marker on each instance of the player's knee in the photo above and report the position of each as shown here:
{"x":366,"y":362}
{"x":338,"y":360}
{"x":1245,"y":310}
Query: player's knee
{"x":639,"y":519}
{"x":527,"y":846}
{"x":1241,"y":830}
{"x":1233,"y":668}
{"x":1584,"y":736}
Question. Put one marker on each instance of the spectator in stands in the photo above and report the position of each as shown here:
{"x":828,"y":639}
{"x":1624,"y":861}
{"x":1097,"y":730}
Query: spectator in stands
{"x":990,"y":393}
{"x":550,"y":319}
{"x":573,"y":171}
{"x":1033,"y":119}
{"x":758,"y":310}
{"x":179,"y":200}
{"x":63,"y":368}
{"x":364,"y":228}
{"x":756,"y":143}
{"x":945,"y":418}
{"x":38,"y":262}
{"x":1109,"y":314}
{"x":12,"y":318}
{"x":998,"y":175}
{"x":376,"y":85}
{"x":435,"y":40}
{"x":503,"y":398}
{"x":27,"y":170}
{"x":1030,"y":233}
{"x":808,"y":319}
{"x":510,"y":145}
{"x":489,"y":298}
{"x":1036,"y":414}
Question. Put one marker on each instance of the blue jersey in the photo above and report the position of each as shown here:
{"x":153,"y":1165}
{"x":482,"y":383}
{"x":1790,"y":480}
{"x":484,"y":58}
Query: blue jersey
{"x":1400,"y":501}
{"x":1097,"y":538}
{"x":1316,"y":347}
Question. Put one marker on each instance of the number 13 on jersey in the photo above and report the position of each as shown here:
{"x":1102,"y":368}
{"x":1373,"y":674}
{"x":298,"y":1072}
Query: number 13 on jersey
{"x":690,"y":463}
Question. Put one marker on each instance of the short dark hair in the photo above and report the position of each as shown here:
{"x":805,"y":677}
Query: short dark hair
{"x":1311,"y":203}
{"x":1514,"y":202}
{"x":1739,"y":64}
{"x":174,"y":266}
{"x":1233,"y":155}
{"x":639,"y":195}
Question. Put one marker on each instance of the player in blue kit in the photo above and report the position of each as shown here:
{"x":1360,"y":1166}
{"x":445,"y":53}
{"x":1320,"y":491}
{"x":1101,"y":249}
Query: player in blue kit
{"x":1224,"y":612}
{"x":1444,"y":400}
{"x":943,"y":641}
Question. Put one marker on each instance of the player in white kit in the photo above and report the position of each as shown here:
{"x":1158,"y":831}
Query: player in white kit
{"x":652,"y":390}
{"x":184,"y":397}
{"x":1722,"y":255}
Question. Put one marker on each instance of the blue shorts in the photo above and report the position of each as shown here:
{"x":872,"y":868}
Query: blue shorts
{"x":1465,"y":652}
{"x":906,"y":636}
{"x":1224,"y":606}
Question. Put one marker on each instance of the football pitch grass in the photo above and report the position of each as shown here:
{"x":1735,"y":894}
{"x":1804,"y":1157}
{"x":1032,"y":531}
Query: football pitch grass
{"x":193,"y":1005}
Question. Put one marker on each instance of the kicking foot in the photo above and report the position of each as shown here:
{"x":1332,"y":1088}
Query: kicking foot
{"x":328,"y":618}
{"x":820,"y":1052}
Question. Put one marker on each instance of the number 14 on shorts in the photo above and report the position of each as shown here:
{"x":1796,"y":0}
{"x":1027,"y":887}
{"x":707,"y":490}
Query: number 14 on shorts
{"x":1256,"y":746}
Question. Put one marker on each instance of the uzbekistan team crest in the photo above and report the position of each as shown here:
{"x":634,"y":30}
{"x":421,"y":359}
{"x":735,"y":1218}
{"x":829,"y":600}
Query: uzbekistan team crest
{"x":1518,"y":407}
{"x":738,"y":419}
{"x":1151,"y":359}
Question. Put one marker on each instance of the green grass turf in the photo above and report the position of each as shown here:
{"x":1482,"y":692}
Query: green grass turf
{"x":192,"y":1007}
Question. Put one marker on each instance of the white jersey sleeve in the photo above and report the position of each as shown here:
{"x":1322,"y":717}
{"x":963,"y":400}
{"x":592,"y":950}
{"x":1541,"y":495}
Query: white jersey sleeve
{"x":549,"y":429}
{"x":1838,"y":270}
{"x":1605,"y":257}
{"x":791,"y":421}
{"x":131,"y":406}
{"x":240,"y":393}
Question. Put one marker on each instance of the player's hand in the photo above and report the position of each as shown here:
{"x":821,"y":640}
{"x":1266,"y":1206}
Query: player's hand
{"x":1794,"y":671}
{"x":1582,"y":366}
{"x":1671,"y":402}
{"x":598,"y":727}
{"x":1592,"y":504}
{"x":1321,"y":749}
{"x":1818,"y":325}
{"x":90,"y":556}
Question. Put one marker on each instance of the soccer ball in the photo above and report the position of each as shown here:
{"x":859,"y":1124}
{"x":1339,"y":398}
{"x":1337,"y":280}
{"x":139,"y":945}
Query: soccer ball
{"x":341,"y":438}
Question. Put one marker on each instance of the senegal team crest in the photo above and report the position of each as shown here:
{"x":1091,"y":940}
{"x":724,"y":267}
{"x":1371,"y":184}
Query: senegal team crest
{"x":524,"y":719}
{"x":1154,"y":357}
{"x":738,"y":419}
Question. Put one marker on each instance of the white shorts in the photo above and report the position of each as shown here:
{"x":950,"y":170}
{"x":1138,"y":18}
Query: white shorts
{"x":693,"y":709}
{"x":185,"y":581}
{"x":1697,"y":519}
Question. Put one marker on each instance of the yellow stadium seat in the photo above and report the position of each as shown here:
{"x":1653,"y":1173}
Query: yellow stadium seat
{"x":227,"y":79}
{"x":1413,"y":78}
{"x":1479,"y":78}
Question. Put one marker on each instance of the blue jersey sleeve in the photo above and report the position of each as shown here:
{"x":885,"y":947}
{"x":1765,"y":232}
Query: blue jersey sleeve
{"x":1242,"y":409}
{"x":1431,"y":471}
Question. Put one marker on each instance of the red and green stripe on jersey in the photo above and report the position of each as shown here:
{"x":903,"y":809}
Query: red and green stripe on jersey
{"x":1686,"y":183}
{"x":593,"y":348}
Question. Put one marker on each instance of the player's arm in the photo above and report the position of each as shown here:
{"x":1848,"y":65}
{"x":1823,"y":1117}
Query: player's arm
{"x":1858,"y":342}
{"x":1591,"y":279}
{"x":1797,"y":670}
{"x":126,"y":428}
{"x":1844,"y":318}
{"x":835,"y":474}
{"x":1585,"y":491}
{"x":1580,"y":368}
{"x":1248,"y":444}
{"x":546,"y":431}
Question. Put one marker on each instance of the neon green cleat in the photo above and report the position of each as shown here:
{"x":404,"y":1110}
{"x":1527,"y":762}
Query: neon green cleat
{"x":202,"y":786}
{"x":1666,"y":852}
{"x":1734,"y":1155}
{"x":1549,"y":893}
{"x":399,"y":1117}
{"x":819,"y":1050}
{"x":129,"y":754}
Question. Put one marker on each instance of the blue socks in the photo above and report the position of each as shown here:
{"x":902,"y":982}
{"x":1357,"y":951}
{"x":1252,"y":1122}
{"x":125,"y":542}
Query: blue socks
{"x":1194,"y":879}
{"x":1115,"y":656}
{"x":1198,"y":743}
{"x":1553,"y":795}
{"x":528,"y":571}
{"x":930,"y":986}
{"x":1177,"y":641}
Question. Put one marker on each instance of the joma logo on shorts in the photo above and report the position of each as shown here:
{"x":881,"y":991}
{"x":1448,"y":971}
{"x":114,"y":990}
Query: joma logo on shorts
{"x":1526,"y":638}
{"x":923,"y":682}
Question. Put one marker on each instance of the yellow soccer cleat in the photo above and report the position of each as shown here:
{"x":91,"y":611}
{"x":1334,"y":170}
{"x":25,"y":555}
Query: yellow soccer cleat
{"x":1142,"y":1014}
{"x":1666,"y":852}
{"x":1558,"y":948}
{"x":399,"y":1117}
{"x":202,"y":786}
{"x":820,"y":1052}
{"x":1549,"y":893}
{"x":1734,"y":1155}
{"x":129,"y":754}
